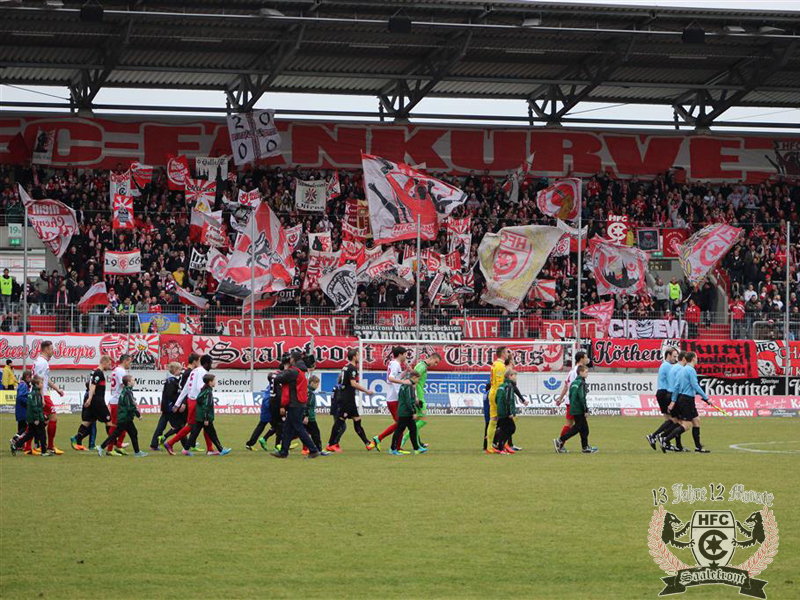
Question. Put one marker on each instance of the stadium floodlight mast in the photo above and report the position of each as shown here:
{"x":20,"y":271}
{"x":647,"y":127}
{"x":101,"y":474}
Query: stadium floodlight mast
{"x":487,"y":348}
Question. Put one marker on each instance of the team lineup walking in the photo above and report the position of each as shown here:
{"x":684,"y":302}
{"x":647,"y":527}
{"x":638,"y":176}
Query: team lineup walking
{"x":288,"y":410}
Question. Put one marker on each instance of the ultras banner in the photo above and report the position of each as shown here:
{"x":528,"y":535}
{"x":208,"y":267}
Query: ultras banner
{"x":102,"y":143}
{"x":81,"y":351}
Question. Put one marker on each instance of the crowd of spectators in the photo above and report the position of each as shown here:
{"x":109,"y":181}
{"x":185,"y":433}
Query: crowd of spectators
{"x":755,"y":267}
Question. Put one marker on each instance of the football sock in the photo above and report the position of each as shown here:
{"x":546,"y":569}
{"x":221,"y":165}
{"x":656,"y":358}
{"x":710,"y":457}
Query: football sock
{"x":565,"y":430}
{"x":696,"y":436}
{"x":51,"y":433}
{"x":337,"y":425}
{"x":490,"y":432}
{"x":674,"y":432}
{"x":83,"y":431}
{"x":420,"y":425}
{"x":360,"y":431}
{"x":485,"y":431}
{"x":92,"y":435}
{"x":387,"y":432}
{"x":665,"y":426}
{"x":121,"y":439}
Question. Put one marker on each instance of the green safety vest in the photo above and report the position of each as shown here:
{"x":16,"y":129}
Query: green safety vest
{"x":6,"y":283}
{"x":674,"y":291}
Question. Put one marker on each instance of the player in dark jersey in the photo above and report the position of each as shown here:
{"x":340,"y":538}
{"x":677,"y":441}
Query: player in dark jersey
{"x":94,"y":405}
{"x":347,"y":407}
{"x":270,"y":411}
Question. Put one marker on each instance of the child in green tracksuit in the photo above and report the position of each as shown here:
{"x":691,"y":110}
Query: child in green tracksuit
{"x":204,"y":418}
{"x":407,"y":409}
{"x":310,"y":419}
{"x":35,"y":419}
{"x":506,"y":411}
{"x":126,"y":411}
{"x":578,"y":410}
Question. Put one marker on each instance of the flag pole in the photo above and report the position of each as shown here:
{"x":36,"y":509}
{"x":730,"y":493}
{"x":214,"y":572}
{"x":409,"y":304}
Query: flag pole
{"x":419,"y":262}
{"x":580,"y":273}
{"x":787,"y":295}
{"x":25,"y":284}
{"x":252,"y":297}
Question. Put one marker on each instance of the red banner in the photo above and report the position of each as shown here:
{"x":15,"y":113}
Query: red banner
{"x":771,"y":358}
{"x":81,"y":351}
{"x":95,"y":143}
{"x":336,"y":325}
{"x":627,"y":354}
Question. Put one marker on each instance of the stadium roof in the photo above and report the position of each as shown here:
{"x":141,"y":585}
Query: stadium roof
{"x":552,"y":55}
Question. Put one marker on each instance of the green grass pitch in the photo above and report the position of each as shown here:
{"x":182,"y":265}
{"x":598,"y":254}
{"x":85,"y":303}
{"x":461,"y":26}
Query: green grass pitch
{"x":454,"y":523}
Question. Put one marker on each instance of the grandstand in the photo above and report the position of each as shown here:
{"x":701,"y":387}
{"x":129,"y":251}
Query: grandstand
{"x":652,"y":186}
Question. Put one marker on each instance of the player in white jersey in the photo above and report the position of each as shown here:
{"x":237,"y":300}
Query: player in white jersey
{"x":394,"y":379}
{"x":580,"y":359}
{"x":41,"y":367}
{"x":189,"y":394}
{"x":120,"y":371}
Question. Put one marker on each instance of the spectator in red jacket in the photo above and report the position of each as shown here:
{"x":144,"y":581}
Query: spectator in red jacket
{"x":736,"y":309}
{"x":693,"y":318}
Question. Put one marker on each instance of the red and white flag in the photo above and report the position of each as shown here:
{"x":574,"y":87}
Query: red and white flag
{"x":618,"y":270}
{"x":191,"y":299}
{"x":273,"y":268}
{"x":334,"y":190}
{"x":705,"y":249}
{"x":123,"y":212}
{"x":401,"y":198}
{"x":562,"y":247}
{"x":177,"y":171}
{"x":294,"y":235}
{"x":216,"y":263}
{"x":119,"y":184}
{"x":141,"y":175}
{"x":207,"y":228}
{"x":355,"y":224}
{"x":250,"y":199}
{"x":122,"y":263}
{"x":603,"y":312}
{"x":97,"y":294}
{"x":463,"y":283}
{"x":54,"y":222}
{"x":202,"y":192}
{"x":512,"y":185}
{"x":617,"y":228}
{"x":544,"y":290}
{"x":319,"y":264}
{"x":353,"y":252}
{"x":672,"y":240}
{"x":561,"y":200}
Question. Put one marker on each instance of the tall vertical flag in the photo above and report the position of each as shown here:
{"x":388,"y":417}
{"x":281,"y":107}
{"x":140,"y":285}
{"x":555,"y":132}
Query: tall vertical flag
{"x":177,"y":171}
{"x":334,"y":190}
{"x":511,"y":259}
{"x":123,"y":212}
{"x":399,"y":196}
{"x":273,"y":269}
{"x":310,"y":196}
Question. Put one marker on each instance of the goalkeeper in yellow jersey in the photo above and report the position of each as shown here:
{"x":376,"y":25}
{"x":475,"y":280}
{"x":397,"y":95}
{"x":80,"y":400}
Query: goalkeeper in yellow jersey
{"x":498,"y":377}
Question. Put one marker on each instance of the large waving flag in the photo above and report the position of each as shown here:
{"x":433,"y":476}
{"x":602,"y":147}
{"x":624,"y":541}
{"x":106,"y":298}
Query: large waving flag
{"x":202,"y":193}
{"x":97,"y":294}
{"x":602,"y":311}
{"x":54,"y":222}
{"x":618,"y":270}
{"x":123,"y":213}
{"x":511,"y":259}
{"x":705,"y":249}
{"x":400,"y":196}
{"x":274,"y":266}
{"x":191,"y":299}
{"x":561,"y":200}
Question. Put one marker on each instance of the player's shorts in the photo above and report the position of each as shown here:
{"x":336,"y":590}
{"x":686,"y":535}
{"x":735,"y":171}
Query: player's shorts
{"x":685,"y":408}
{"x":348,"y":408}
{"x":664,"y":398}
{"x":392,"y":406}
{"x":96,"y":411}
{"x":49,"y":409}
